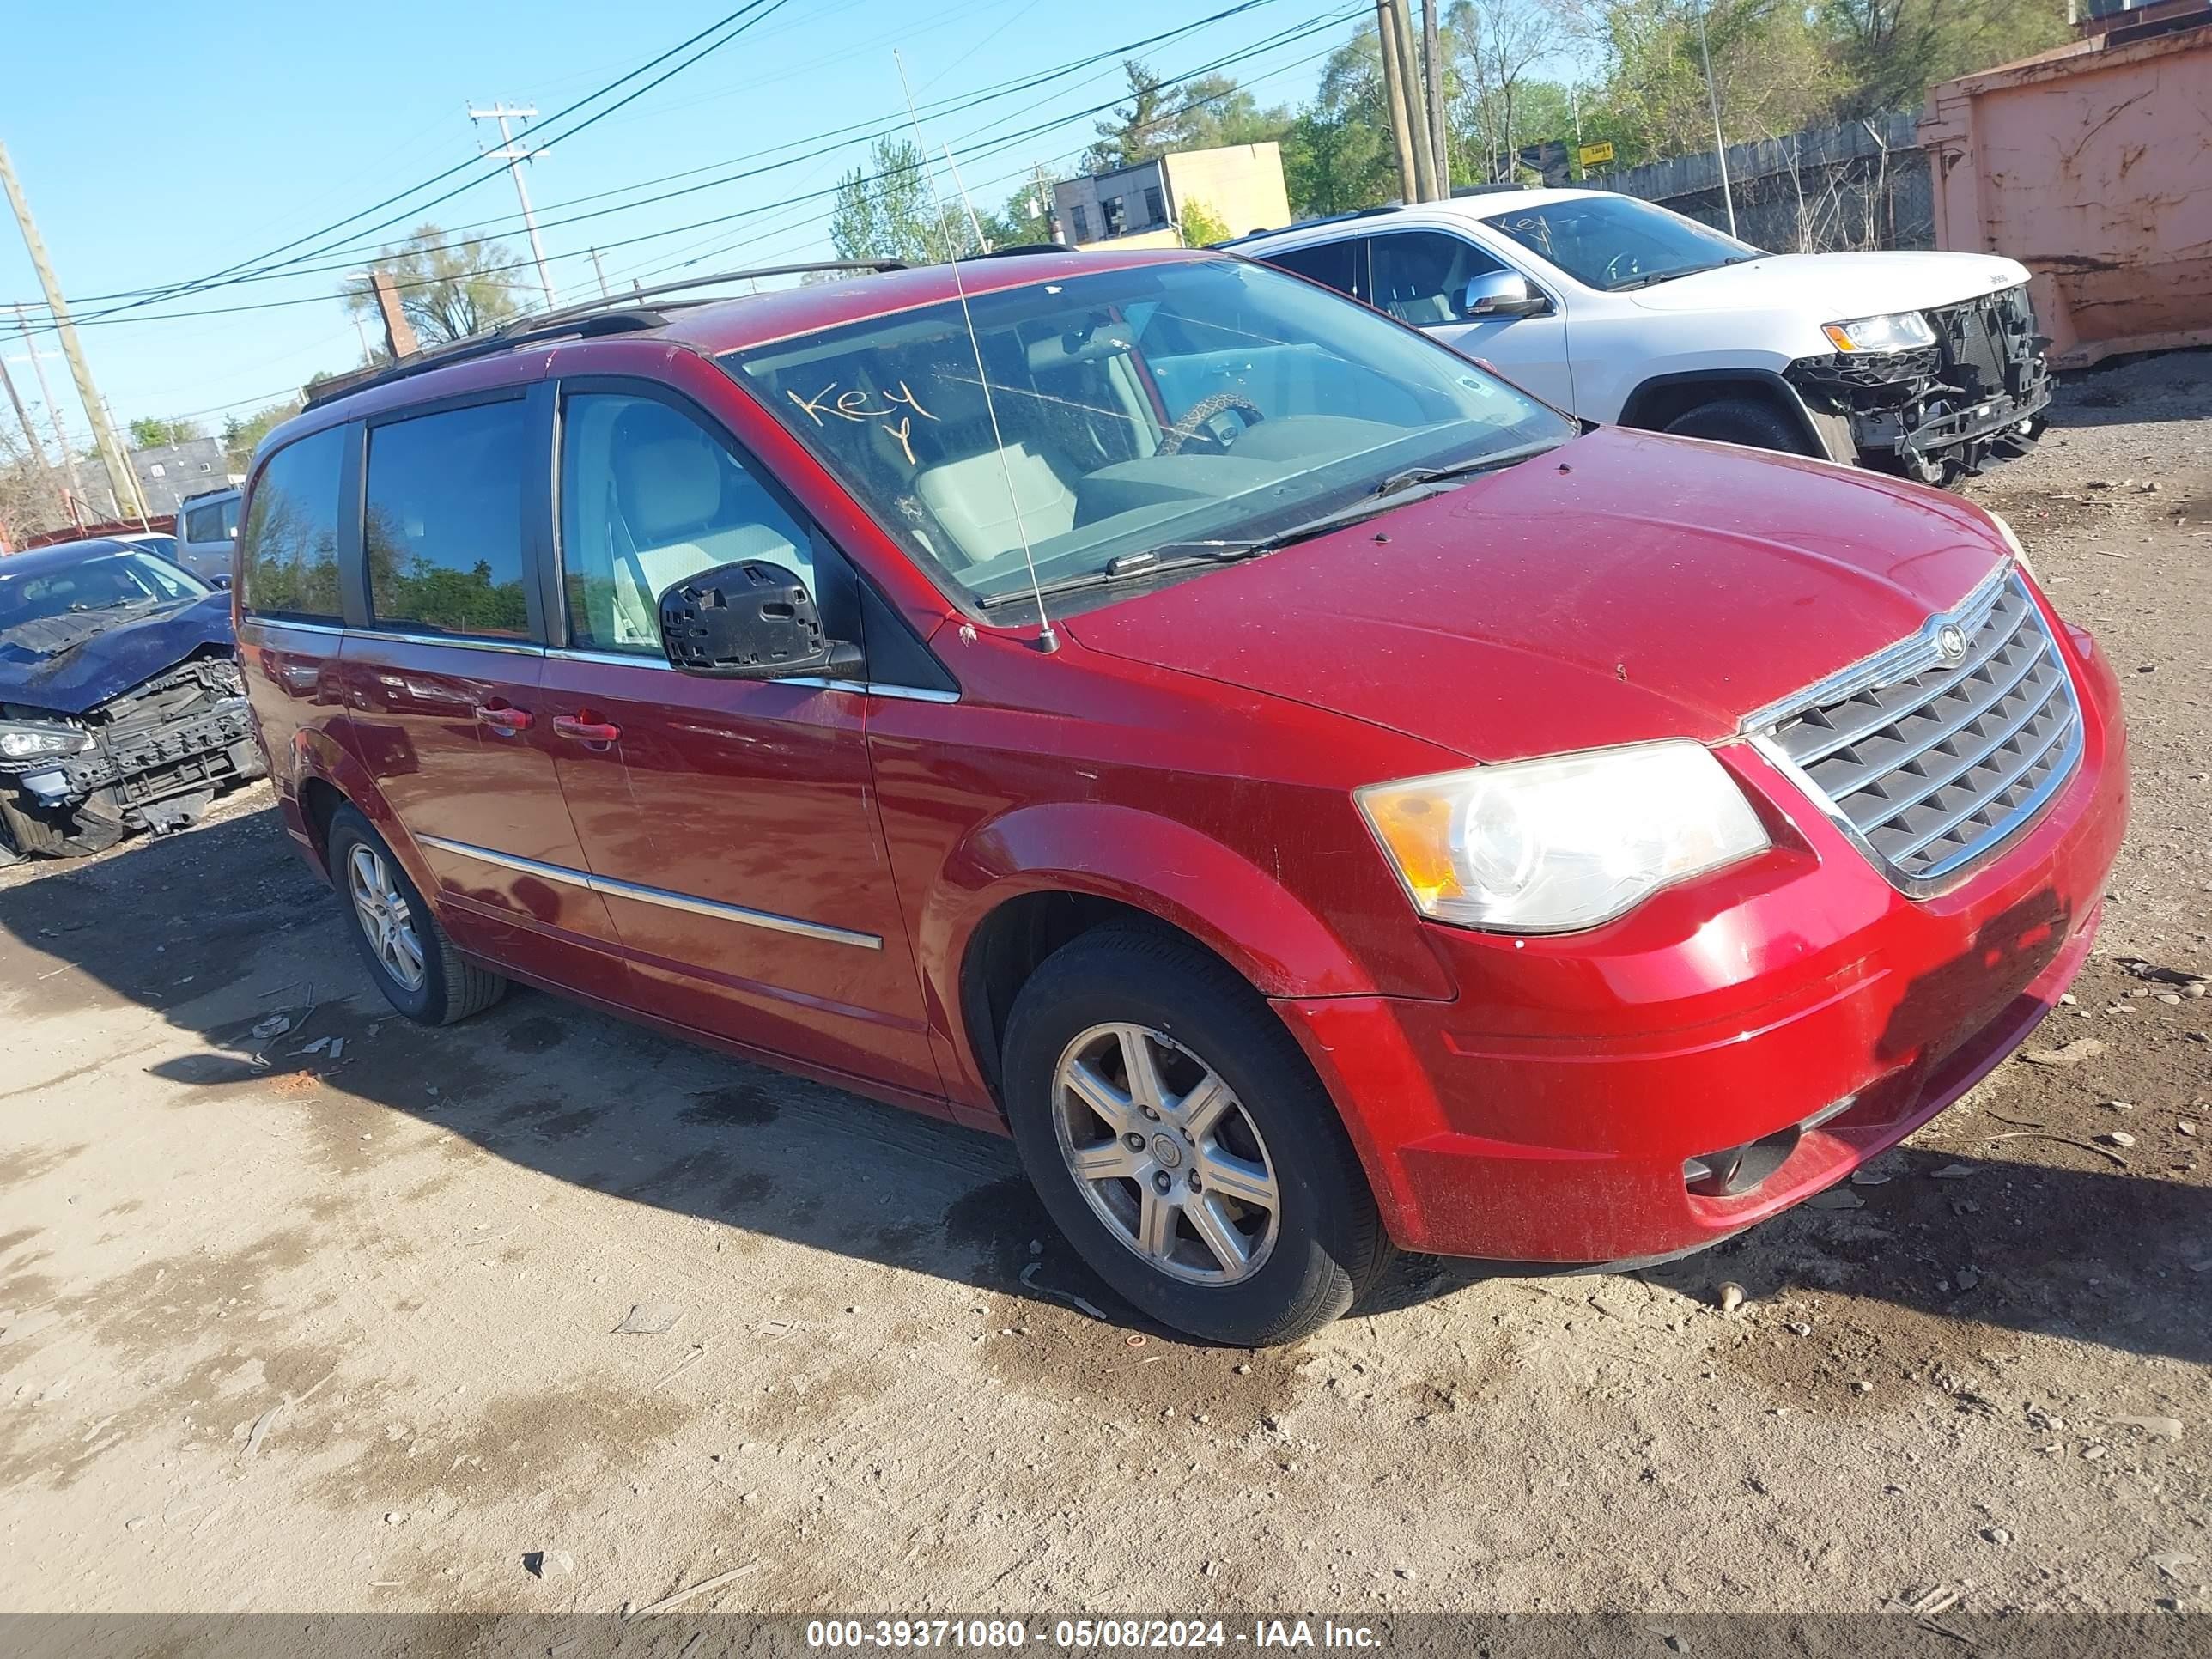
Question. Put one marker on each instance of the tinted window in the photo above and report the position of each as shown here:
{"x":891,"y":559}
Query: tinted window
{"x":1420,"y":276}
{"x":205,"y":524}
{"x":1334,"y":263}
{"x":291,"y":560}
{"x":444,"y":526}
{"x":1155,"y":207}
{"x":1082,"y":222}
{"x":649,"y":497}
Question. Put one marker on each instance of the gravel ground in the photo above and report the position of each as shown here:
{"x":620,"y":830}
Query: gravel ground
{"x":338,"y":1332}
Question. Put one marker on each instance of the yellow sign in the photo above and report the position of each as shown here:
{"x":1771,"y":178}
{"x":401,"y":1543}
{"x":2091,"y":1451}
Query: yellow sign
{"x":1592,"y":155}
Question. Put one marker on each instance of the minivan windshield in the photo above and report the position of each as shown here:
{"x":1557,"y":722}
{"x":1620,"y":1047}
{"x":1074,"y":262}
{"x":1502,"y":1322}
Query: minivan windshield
{"x":1192,"y":405}
{"x":1616,"y":242}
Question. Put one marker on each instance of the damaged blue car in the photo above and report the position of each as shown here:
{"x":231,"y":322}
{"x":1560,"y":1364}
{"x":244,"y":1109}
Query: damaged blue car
{"x":121,"y":707}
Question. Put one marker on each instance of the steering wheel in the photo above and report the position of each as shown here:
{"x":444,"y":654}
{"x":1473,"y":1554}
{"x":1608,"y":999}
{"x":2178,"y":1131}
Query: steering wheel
{"x":1616,"y":274}
{"x":1173,"y":440}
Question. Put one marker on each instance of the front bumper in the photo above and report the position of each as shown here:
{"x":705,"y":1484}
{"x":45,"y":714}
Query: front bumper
{"x":137,"y":771}
{"x":1548,"y":1114}
{"x":1975,"y":397}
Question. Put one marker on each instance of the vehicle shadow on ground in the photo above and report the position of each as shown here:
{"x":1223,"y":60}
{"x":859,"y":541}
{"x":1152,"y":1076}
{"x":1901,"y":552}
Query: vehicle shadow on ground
{"x":2133,"y":390}
{"x":223,"y":930}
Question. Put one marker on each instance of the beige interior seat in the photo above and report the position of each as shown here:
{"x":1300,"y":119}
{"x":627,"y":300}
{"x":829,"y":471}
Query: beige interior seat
{"x":970,"y":500}
{"x":676,"y":523}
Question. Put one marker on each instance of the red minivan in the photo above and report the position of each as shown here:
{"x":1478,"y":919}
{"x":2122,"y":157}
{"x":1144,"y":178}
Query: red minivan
{"x":1316,"y":797}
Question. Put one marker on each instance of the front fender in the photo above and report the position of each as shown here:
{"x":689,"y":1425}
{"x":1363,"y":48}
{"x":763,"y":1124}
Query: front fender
{"x":1163,"y":868}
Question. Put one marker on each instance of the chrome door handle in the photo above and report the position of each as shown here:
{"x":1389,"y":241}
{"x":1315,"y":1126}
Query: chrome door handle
{"x":503,"y":720}
{"x":579,"y":730}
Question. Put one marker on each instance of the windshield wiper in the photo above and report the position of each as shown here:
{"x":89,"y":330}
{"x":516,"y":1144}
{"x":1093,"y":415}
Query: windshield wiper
{"x":1413,"y":476}
{"x":1171,"y":556}
{"x":1132,"y":567}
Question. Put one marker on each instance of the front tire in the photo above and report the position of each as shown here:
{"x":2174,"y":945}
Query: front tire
{"x":1747,"y":421}
{"x":409,"y":956}
{"x":1179,"y":1138}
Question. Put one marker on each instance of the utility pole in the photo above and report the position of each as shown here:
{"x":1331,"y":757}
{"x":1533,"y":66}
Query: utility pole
{"x":112,"y":452}
{"x":1433,"y":63}
{"x":1047,"y":205}
{"x":31,"y":435}
{"x":1409,"y":81}
{"x":514,"y":158}
{"x":1713,"y":98}
{"x":600,"y":271}
{"x":1397,"y":107}
{"x":54,"y":418}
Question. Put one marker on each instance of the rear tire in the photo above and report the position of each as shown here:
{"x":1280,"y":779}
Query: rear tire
{"x":1747,"y":421}
{"x":1240,"y":1214}
{"x":409,"y":956}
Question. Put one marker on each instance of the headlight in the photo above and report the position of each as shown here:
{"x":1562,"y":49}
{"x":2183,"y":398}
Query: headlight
{"x":1550,"y":846}
{"x":29,"y":740}
{"x":1900,"y":330}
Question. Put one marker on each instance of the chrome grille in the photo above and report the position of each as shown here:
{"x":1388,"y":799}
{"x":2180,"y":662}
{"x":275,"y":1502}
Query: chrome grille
{"x":1933,"y":764}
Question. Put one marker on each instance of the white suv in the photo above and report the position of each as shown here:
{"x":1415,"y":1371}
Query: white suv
{"x":1616,"y":310}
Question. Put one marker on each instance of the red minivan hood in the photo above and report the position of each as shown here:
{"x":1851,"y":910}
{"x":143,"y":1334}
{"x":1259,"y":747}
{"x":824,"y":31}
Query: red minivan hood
{"x":1626,"y":586}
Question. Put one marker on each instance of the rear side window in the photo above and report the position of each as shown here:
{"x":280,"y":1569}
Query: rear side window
{"x":1337,"y":264}
{"x":205,"y":524}
{"x":290,"y":567}
{"x":444,"y":526}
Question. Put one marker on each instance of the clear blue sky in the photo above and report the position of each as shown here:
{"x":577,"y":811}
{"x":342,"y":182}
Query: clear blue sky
{"x":156,"y":154}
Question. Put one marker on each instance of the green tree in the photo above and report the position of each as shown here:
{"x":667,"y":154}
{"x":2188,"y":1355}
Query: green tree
{"x":448,"y":289}
{"x":1494,"y":48}
{"x":1333,"y":163}
{"x":1891,"y":50}
{"x":1134,"y":133}
{"x":1203,"y":113}
{"x":1201,"y":226}
{"x":240,"y":436}
{"x":1774,"y":71}
{"x":882,"y":208}
{"x":154,"y":432}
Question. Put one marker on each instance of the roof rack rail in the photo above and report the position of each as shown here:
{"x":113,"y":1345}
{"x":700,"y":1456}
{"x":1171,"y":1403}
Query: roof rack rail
{"x":613,"y":314}
{"x":1459,"y":190}
{"x":1019,"y":248}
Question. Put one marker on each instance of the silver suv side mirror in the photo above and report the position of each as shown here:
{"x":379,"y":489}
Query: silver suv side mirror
{"x":1501,"y":293}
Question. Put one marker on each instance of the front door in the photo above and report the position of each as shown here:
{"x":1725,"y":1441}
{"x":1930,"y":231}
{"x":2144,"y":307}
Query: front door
{"x":1421,"y":277}
{"x":730,"y":825}
{"x":441,"y":672}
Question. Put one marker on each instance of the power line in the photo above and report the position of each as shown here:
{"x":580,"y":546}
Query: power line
{"x":995,"y":145}
{"x":855,"y":131}
{"x":751,"y":7}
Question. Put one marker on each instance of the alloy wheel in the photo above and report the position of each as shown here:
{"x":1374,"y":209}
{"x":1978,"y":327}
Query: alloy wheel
{"x":385,"y":917}
{"x":1166,"y":1154}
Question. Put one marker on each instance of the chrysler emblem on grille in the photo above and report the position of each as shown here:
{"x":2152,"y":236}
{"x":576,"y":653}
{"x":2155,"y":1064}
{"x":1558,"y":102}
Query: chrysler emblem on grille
{"x":1951,"y":641}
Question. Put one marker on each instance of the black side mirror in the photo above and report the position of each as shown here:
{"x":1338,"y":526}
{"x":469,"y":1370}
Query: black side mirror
{"x":221,"y":579}
{"x":750,"y":620}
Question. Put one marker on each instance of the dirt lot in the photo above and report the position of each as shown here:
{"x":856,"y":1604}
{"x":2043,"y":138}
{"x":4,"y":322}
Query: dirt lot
{"x":337,"y":1330}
